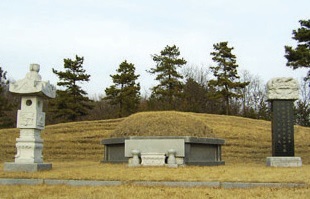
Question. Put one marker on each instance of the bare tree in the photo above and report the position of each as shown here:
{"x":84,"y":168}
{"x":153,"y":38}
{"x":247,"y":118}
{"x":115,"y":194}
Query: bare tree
{"x":199,"y":74}
{"x":254,"y":96}
{"x":302,"y":106}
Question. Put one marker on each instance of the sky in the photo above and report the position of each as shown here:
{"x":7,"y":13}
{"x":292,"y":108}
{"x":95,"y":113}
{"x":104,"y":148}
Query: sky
{"x":107,"y":32}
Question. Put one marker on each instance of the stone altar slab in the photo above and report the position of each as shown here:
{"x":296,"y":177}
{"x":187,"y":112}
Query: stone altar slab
{"x":155,"y":146}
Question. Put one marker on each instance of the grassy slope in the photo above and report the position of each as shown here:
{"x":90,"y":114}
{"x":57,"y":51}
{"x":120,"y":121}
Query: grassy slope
{"x":247,"y":140}
{"x":247,"y":146}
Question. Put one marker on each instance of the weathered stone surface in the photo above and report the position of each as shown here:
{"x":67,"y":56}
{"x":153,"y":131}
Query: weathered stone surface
{"x":82,"y":182}
{"x":135,"y":160}
{"x":198,"y":151}
{"x":153,"y":159}
{"x":155,"y":146}
{"x":282,"y":88}
{"x":214,"y":184}
{"x":30,"y":120}
{"x":178,"y":184}
{"x":24,"y":167}
{"x":33,"y":84}
{"x":17,"y":181}
{"x":284,"y":161}
{"x":31,"y":114}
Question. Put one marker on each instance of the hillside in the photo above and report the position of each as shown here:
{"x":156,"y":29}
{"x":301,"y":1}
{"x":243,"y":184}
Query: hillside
{"x":247,"y":140}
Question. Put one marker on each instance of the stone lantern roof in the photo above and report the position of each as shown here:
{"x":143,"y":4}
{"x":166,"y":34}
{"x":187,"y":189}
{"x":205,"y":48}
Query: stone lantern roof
{"x":32,"y":84}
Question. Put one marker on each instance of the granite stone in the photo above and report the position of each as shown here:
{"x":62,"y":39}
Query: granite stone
{"x":26,"y":167}
{"x":282,"y":88}
{"x":30,"y":121}
{"x":284,"y":162}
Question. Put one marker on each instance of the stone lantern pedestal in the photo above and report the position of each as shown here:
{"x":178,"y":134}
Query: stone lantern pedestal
{"x":281,"y":93}
{"x":30,"y":121}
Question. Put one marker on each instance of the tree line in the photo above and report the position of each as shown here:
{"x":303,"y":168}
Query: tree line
{"x":218,"y":89}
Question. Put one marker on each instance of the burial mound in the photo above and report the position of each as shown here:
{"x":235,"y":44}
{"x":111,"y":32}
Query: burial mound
{"x":162,"y":123}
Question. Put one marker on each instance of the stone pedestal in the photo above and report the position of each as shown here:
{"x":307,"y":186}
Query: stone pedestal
{"x":30,"y":121}
{"x":171,"y":161}
{"x":284,"y":162}
{"x":135,"y":160}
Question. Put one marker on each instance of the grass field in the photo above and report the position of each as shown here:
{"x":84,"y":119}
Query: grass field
{"x":75,"y":151}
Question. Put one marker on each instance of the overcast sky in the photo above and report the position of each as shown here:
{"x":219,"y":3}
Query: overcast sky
{"x":106,"y":32}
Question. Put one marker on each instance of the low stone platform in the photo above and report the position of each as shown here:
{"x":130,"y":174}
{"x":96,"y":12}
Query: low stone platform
{"x":192,"y":151}
{"x":26,"y":167}
{"x":284,"y":162}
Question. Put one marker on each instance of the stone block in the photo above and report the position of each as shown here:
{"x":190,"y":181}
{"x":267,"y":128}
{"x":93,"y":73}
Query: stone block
{"x":197,"y":151}
{"x":32,"y":167}
{"x":155,"y":146}
{"x":179,"y":161}
{"x":21,"y":181}
{"x":153,"y":159}
{"x":82,"y":182}
{"x":284,"y":162}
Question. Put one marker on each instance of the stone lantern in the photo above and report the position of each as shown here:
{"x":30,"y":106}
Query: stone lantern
{"x":30,"y":121}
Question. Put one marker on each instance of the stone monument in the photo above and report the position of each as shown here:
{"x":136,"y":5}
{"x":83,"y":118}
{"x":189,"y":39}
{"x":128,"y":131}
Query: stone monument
{"x":282,"y":92}
{"x":30,"y":121}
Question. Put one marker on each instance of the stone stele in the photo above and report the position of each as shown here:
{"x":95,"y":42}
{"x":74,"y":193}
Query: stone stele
{"x":30,"y":121}
{"x":285,"y":88}
{"x":282,"y":92}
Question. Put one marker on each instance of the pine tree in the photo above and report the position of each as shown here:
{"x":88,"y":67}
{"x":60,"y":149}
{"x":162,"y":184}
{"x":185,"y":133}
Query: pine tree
{"x":300,"y":56}
{"x":71,"y":102}
{"x":194,"y":96}
{"x":170,"y":85}
{"x":125,"y":93}
{"x":226,"y":84}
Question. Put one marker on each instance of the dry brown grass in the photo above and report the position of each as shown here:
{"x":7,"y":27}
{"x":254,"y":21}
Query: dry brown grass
{"x":137,"y":192}
{"x":75,"y":151}
{"x":162,"y":123}
{"x":88,"y":170}
{"x":64,"y":142}
{"x":247,"y":140}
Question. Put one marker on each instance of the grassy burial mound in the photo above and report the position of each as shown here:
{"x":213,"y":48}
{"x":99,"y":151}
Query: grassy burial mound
{"x":162,"y":123}
{"x":246,"y":140}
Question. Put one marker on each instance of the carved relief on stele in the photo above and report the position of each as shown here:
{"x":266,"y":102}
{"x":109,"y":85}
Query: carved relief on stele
{"x":282,"y":88}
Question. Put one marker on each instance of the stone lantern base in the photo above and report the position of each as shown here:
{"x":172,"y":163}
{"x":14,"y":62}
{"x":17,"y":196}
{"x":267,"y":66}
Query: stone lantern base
{"x":26,"y":167}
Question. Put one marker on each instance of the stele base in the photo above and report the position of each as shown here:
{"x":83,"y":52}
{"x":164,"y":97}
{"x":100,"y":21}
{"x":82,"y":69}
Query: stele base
{"x":284,"y":162}
{"x":26,"y":167}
